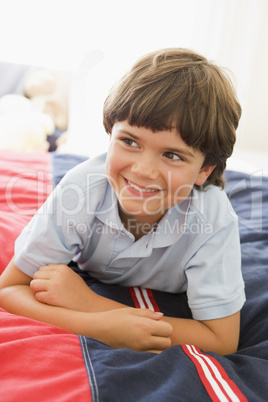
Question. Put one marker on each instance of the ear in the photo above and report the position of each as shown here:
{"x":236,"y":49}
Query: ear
{"x":204,"y":174}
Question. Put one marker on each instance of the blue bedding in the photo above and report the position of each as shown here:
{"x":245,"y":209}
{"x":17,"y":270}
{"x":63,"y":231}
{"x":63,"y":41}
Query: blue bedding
{"x":184,"y":373}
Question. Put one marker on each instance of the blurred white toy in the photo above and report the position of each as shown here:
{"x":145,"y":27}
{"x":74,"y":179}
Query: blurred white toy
{"x":49,"y":93}
{"x":21,"y":126}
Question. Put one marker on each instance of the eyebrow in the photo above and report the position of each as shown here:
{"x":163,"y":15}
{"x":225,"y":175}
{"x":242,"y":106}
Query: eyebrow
{"x":128,"y":133}
{"x":181,"y":151}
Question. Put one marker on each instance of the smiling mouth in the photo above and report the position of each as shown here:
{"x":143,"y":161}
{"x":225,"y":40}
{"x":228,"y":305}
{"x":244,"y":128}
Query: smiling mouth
{"x":141,"y":189}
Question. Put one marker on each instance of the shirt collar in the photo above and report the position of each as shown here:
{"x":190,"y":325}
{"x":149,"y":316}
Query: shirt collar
{"x":108,"y":212}
{"x":171,"y":227}
{"x":165,"y":233}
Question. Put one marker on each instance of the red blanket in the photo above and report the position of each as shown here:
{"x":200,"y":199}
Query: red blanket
{"x":25,"y":183}
{"x":40,"y":362}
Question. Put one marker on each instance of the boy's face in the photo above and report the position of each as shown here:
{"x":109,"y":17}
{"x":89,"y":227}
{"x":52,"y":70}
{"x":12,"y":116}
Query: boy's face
{"x":151,"y":171}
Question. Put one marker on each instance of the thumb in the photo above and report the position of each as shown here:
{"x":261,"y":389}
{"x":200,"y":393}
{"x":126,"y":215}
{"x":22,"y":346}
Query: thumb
{"x":154,"y":315}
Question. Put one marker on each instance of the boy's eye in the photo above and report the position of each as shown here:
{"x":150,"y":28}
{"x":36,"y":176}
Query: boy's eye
{"x":172,"y":156}
{"x":129,"y":142}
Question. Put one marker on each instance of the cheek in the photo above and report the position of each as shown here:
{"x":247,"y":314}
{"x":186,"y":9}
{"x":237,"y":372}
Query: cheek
{"x":117,"y":159}
{"x":114,"y":166}
{"x":111,"y":159}
{"x":180,"y":188}
{"x":180,"y":192}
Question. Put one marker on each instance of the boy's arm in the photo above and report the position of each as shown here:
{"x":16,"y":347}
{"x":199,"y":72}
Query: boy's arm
{"x":58,"y":285}
{"x":66,"y":288}
{"x":219,"y":335}
{"x":141,"y":330}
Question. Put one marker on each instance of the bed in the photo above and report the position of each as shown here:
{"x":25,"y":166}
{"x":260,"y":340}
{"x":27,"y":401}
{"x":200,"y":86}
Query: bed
{"x":42,"y":362}
{"x":45,"y":363}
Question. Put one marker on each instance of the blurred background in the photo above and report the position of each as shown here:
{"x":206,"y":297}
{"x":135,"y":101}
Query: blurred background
{"x":97,"y":41}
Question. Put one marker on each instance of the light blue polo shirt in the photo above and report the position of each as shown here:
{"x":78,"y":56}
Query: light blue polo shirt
{"x":194,"y":248}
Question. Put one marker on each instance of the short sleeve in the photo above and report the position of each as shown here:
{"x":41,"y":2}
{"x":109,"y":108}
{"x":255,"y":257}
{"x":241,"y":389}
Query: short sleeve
{"x":215,"y":284}
{"x":52,"y":235}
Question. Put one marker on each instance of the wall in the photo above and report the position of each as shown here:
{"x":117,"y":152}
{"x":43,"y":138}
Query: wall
{"x":58,"y":34}
{"x":254,"y":127}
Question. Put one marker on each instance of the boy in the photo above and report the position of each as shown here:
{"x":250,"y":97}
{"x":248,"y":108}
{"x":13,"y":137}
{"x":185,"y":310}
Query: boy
{"x":151,"y":213}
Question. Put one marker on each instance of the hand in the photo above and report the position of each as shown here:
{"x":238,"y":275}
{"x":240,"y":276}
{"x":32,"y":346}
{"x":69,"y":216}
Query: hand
{"x":138,"y":329}
{"x":59,"y":285}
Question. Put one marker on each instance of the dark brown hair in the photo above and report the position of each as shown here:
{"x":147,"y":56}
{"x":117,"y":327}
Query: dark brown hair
{"x":177,"y":88}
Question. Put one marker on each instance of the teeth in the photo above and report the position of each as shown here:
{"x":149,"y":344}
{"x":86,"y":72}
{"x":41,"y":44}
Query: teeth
{"x":141,"y":190}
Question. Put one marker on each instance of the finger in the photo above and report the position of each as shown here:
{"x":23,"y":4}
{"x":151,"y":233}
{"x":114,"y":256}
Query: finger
{"x":41,"y":275}
{"x":41,"y":297}
{"x":45,"y":271}
{"x":49,"y":267}
{"x":154,"y":315}
{"x":46,"y":297}
{"x":160,"y":328}
{"x":160,"y":343}
{"x":156,"y":345}
{"x":154,"y":351}
{"x":38,"y":285}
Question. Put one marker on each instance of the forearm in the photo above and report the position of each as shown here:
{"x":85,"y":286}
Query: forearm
{"x":220,"y":335}
{"x":20,"y":300}
{"x":97,"y":303}
{"x":206,"y":335}
{"x":137,"y":329}
{"x":85,"y":314}
{"x":192,"y":332}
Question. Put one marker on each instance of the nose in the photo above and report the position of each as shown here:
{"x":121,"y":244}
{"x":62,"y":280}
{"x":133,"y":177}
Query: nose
{"x":146,"y":166}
